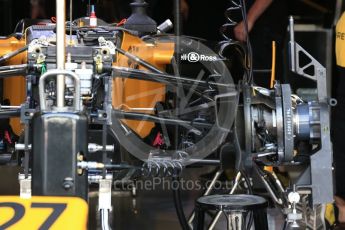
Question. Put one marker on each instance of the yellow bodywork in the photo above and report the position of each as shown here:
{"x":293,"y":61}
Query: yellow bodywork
{"x":14,"y":87}
{"x":31,"y":214}
{"x":129,"y":94}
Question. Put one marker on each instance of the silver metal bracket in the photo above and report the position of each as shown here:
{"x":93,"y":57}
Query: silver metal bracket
{"x":319,"y":75}
{"x":25,"y":186}
{"x":317,"y":177}
{"x":92,"y":148}
{"x":26,"y":113}
{"x":104,"y":198}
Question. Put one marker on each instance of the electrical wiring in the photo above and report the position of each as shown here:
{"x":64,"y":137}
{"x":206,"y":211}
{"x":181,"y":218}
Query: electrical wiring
{"x":249,"y":47}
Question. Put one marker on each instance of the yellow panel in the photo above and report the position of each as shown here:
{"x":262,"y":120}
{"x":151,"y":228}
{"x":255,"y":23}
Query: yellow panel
{"x":54,"y":212}
{"x":132,"y":93}
{"x":340,"y":41}
{"x":127,"y":93}
{"x":14,"y":87}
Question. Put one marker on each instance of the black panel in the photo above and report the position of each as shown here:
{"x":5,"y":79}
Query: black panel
{"x":58,"y":138}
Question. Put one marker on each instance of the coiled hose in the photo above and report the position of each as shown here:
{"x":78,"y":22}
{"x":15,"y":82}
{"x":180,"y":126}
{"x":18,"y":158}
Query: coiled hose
{"x":246,"y":51}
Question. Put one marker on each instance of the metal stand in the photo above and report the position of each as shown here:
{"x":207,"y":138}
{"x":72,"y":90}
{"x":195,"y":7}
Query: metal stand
{"x":207,"y":192}
{"x":236,"y":208}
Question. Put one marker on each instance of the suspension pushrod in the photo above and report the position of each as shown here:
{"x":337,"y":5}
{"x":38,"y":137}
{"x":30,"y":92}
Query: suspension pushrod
{"x":165,"y":78}
{"x":169,"y":121}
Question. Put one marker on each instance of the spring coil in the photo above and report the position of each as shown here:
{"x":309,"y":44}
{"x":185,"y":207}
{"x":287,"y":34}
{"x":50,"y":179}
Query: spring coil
{"x":162,"y":168}
{"x":159,"y":166}
{"x":231,"y":23}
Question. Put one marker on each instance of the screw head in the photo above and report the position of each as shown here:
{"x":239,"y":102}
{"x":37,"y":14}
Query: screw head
{"x":67,"y":183}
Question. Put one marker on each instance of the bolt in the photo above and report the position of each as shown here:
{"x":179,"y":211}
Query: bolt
{"x":67,"y":183}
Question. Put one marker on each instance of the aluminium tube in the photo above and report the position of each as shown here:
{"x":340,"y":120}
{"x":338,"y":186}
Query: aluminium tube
{"x":60,"y":50}
{"x":8,"y":113}
{"x":292,"y":45}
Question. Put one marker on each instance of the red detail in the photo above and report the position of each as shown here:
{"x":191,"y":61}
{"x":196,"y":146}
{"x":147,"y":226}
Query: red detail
{"x":7,"y":137}
{"x":159,"y":141}
{"x":53,"y":19}
{"x":122,"y":22}
{"x":93,"y":14}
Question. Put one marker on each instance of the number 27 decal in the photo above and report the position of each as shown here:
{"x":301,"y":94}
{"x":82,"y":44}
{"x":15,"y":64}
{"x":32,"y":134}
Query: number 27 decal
{"x":19,"y":212}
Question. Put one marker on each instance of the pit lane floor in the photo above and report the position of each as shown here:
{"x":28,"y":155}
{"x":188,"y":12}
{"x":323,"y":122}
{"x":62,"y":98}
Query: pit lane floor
{"x":152,"y":208}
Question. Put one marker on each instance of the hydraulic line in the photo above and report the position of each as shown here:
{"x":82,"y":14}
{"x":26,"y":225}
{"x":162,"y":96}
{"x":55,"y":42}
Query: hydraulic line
{"x":105,"y":219}
{"x":13,"y":67}
{"x":10,"y":55}
{"x":15,"y":70}
{"x":12,"y":73}
{"x":104,"y":151}
{"x":138,"y":60}
{"x":5,"y":114}
{"x":273,"y":72}
{"x":178,"y":204}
